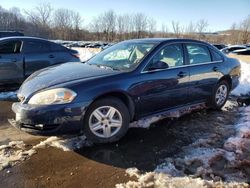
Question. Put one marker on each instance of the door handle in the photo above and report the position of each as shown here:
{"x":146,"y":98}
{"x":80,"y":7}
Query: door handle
{"x":51,"y":56}
{"x":182,"y":74}
{"x":215,"y":69}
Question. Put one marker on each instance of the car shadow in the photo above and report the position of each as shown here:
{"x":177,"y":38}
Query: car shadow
{"x":141,"y":148}
{"x":147,"y":148}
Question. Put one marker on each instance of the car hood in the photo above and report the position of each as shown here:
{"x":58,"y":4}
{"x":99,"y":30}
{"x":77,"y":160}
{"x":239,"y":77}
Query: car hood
{"x":61,"y":74}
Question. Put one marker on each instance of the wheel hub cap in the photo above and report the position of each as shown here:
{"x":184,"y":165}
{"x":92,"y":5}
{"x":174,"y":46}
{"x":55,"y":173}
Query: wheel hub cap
{"x":221,"y":95}
{"x":105,"y":121}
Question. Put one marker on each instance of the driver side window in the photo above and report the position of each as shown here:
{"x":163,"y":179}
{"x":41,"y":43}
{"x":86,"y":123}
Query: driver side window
{"x":172,"y":55}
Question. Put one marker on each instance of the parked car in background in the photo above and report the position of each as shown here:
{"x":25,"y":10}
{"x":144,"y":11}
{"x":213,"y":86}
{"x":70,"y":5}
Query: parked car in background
{"x":232,"y":48}
{"x":10,"y":34}
{"x":126,"y":82}
{"x":242,"y":52}
{"x":220,"y":46}
{"x":21,"y":56}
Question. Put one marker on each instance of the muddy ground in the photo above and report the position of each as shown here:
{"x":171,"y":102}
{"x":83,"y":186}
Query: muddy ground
{"x":105,"y":165}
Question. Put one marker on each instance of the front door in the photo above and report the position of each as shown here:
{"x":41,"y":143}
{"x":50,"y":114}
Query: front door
{"x":163,"y":89}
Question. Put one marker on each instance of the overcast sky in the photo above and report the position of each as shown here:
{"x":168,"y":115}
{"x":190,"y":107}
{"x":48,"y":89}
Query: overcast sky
{"x":220,"y":14}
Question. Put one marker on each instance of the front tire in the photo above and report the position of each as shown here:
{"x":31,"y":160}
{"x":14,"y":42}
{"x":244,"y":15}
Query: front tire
{"x":220,"y":95}
{"x":106,"y":120}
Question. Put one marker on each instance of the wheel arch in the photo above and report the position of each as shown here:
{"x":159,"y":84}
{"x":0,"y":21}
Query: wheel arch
{"x":124,"y":97}
{"x":228,"y":79}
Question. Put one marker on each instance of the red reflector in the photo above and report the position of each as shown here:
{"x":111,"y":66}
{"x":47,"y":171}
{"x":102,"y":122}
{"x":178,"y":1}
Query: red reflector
{"x":76,"y":55}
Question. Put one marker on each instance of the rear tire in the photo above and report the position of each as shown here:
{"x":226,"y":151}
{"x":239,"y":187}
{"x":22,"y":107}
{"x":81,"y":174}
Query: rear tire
{"x":106,"y":120}
{"x":220,"y":95}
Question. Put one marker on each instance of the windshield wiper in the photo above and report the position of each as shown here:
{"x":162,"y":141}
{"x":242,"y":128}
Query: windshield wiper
{"x":108,"y":67}
{"x":105,"y":67}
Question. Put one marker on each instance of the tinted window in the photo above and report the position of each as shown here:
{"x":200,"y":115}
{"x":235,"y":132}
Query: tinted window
{"x":11,"y":47}
{"x":198,"y":54}
{"x":216,"y":56}
{"x":57,"y":47}
{"x":171,"y":55}
{"x":36,"y":47}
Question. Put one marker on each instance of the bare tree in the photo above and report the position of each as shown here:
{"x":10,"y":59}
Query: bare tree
{"x":95,"y":28}
{"x":164,"y":30}
{"x":176,"y":28}
{"x":121,"y":26}
{"x":63,"y":23}
{"x":41,"y":14}
{"x":191,"y":28}
{"x":140,"y":24}
{"x":201,"y":27}
{"x":109,"y":22}
{"x":245,"y":30}
{"x":151,"y":26}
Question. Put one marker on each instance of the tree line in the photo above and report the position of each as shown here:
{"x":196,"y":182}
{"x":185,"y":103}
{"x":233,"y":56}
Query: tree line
{"x":65,"y":24}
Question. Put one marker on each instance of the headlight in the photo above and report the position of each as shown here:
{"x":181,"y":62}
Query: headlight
{"x":53,"y":96}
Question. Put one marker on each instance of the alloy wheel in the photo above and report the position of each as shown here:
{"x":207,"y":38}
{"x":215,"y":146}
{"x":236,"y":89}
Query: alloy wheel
{"x":105,"y":121}
{"x":221,"y":94}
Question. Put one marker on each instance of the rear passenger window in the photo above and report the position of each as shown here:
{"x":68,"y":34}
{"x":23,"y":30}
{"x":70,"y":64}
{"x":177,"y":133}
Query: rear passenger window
{"x":198,"y":54}
{"x":36,"y":47}
{"x":12,"y":47}
{"x":216,"y":56}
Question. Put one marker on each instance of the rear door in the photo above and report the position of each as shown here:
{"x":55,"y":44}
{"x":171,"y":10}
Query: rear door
{"x":37,"y":54}
{"x":160,"y":90}
{"x":204,"y":72}
{"x":61,"y":54}
{"x":11,"y":62}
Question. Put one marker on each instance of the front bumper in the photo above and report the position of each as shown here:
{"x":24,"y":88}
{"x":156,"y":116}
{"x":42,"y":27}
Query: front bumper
{"x":50,"y":119}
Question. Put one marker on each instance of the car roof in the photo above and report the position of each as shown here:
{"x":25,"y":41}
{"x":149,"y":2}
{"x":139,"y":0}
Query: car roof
{"x":163,"y":40}
{"x":22,"y":38}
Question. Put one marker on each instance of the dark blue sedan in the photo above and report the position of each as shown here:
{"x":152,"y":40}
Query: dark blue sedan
{"x":129,"y":81}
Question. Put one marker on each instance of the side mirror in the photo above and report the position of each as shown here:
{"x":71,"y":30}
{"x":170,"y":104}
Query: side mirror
{"x":158,"y":66}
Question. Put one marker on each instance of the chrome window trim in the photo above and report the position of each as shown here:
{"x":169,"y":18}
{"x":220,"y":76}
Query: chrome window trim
{"x":182,"y":66}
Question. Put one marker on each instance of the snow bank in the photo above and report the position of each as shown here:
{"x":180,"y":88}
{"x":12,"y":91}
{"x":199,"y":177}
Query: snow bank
{"x":214,"y":160}
{"x":8,"y":95}
{"x":12,"y":153}
{"x":201,"y":159}
{"x":17,"y":151}
{"x":160,"y":180}
{"x":66,"y":144}
{"x":244,"y":86}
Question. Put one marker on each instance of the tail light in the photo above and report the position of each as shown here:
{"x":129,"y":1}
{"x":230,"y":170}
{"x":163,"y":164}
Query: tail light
{"x":77,"y":55}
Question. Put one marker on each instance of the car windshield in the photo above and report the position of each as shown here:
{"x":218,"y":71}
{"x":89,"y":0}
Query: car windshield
{"x":124,"y":56}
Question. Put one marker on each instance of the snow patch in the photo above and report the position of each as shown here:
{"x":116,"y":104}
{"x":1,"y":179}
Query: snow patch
{"x":244,"y":87}
{"x":12,"y":153}
{"x":67,"y":144}
{"x":201,"y":159}
{"x":17,"y":151}
{"x":221,"y":160}
{"x":160,"y":180}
